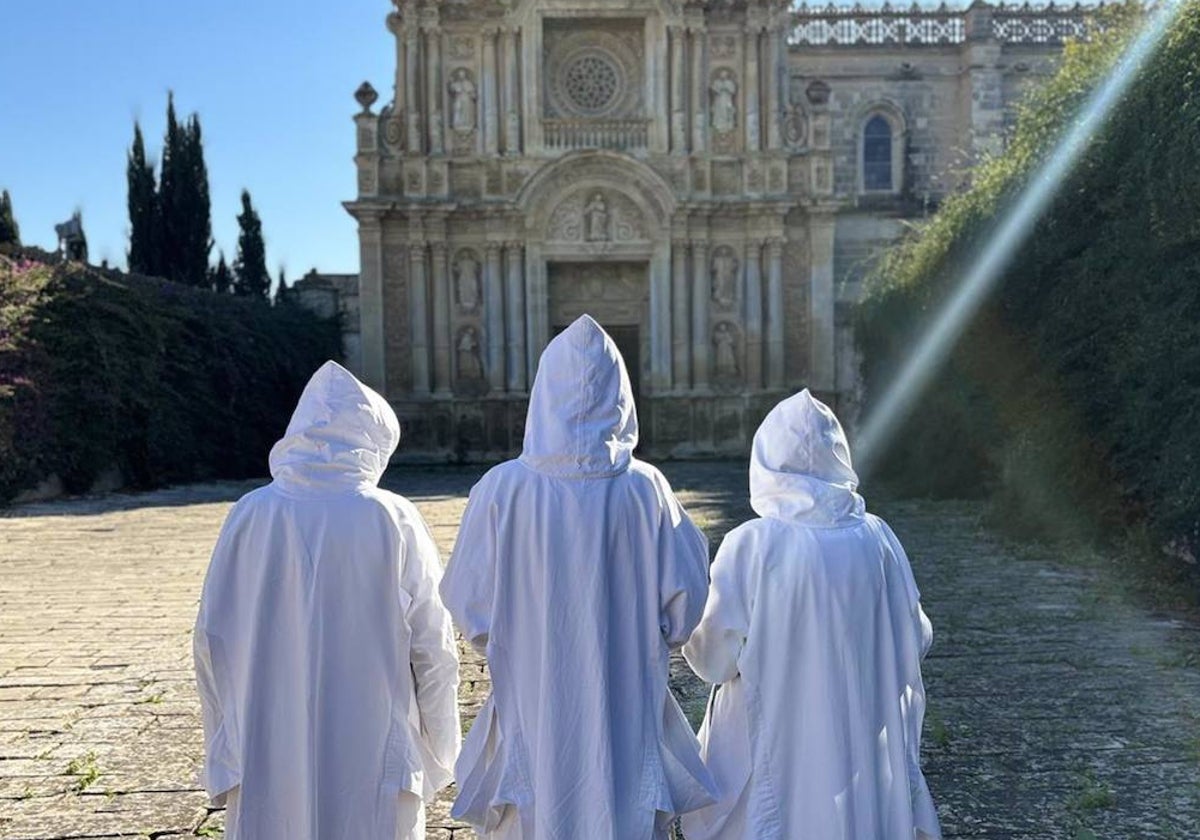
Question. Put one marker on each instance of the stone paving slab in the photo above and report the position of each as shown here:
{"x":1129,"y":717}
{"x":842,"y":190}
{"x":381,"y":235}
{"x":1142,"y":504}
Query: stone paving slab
{"x":1058,"y":708}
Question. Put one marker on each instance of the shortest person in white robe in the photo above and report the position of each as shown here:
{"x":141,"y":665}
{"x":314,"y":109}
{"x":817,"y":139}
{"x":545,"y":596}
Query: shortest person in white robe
{"x":815,"y":634}
{"x":326,"y":663}
{"x":576,"y":571}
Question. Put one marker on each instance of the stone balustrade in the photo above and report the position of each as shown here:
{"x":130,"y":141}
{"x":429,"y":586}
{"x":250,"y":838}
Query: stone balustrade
{"x":561,"y":134}
{"x":1013,"y":23}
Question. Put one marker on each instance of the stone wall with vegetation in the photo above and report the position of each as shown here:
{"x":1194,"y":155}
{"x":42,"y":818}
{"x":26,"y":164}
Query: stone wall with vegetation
{"x":1074,"y":396}
{"x":163,"y":382}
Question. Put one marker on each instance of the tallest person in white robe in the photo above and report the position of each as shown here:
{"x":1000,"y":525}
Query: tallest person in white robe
{"x":815,"y":633}
{"x":576,"y":571}
{"x":326,"y":662}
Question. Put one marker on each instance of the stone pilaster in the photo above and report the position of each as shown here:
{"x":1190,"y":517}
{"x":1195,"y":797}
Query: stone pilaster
{"x":775,"y":69}
{"x":822,"y":371}
{"x":512,"y":101}
{"x":677,"y":42}
{"x":754,"y":315}
{"x":370,"y":295}
{"x":681,"y":318}
{"x":418,"y":303}
{"x":441,"y":319}
{"x":433,"y":93}
{"x":489,"y":92}
{"x":412,"y":50}
{"x":514,"y":284}
{"x":700,"y":296}
{"x":776,"y":316}
{"x":699,"y":92}
{"x":493,"y":301}
{"x":751,"y":89}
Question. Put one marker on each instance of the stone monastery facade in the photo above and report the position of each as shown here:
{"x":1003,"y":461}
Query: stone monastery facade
{"x":709,"y":180}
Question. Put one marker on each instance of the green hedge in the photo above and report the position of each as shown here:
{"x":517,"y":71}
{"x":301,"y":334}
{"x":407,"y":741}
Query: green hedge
{"x":1074,"y":397}
{"x":165,"y":382}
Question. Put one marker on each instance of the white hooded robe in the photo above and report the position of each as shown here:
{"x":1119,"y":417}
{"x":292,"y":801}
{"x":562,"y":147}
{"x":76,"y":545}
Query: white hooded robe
{"x":326,"y":663}
{"x":577,"y":571}
{"x":815,"y":633}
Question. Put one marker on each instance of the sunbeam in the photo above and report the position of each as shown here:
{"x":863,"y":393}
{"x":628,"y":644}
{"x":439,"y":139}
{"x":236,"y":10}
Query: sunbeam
{"x":1014,"y":227}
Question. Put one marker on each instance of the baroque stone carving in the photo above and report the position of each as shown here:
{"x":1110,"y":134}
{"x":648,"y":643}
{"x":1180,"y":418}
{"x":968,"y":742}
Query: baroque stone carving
{"x":724,"y":46}
{"x":723,"y":109}
{"x":462,"y":101}
{"x":795,"y":126}
{"x":725,"y":266}
{"x":466,"y":280}
{"x":596,"y":216}
{"x":724,"y":339}
{"x":470,"y":363}
{"x":462,"y":47}
{"x":594,"y":73}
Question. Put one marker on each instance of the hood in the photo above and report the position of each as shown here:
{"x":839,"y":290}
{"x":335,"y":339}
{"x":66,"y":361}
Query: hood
{"x":341,"y":436}
{"x":800,"y":466}
{"x":582,"y":421}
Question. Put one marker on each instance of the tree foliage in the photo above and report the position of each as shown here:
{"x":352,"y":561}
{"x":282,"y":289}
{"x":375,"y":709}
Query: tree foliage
{"x":10,"y":232}
{"x":1074,"y":395}
{"x":251,"y":278}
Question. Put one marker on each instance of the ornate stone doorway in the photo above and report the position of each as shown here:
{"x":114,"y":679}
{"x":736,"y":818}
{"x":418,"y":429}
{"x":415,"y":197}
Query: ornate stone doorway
{"x":616,"y":294}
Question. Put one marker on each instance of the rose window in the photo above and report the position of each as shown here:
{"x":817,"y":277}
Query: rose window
{"x":591,"y":83}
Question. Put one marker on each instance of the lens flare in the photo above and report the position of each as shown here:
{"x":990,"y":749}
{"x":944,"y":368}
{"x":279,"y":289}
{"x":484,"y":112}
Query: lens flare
{"x":1014,"y":227}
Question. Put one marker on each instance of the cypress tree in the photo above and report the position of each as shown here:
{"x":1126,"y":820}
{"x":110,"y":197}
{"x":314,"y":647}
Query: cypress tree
{"x":171,"y":195}
{"x":222,"y":279}
{"x":195,"y":226}
{"x":250,"y":267}
{"x":144,"y":214}
{"x":10,"y":231}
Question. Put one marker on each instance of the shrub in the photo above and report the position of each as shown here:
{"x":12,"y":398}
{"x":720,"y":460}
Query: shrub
{"x":166,"y":382}
{"x":1074,"y":396}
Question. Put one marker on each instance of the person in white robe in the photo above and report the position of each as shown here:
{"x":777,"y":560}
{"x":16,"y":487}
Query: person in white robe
{"x":814,"y":633}
{"x":576,"y":572}
{"x":325,"y":660}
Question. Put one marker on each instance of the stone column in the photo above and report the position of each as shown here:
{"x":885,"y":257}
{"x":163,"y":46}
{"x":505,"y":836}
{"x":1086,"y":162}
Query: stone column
{"x":776,"y":316}
{"x":700,"y":295}
{"x":441,"y":319}
{"x":750,"y":92}
{"x":514,"y":284}
{"x":488,"y":91}
{"x":678,"y":41}
{"x":418,"y":310}
{"x":821,"y":303}
{"x":660,"y":319}
{"x":371,"y":305}
{"x":754,"y":315}
{"x":681,"y":315}
{"x":512,"y":102}
{"x":775,"y":66}
{"x":537,"y":315}
{"x":412,"y":48}
{"x":699,"y":93}
{"x":493,"y":302}
{"x":433,"y":94}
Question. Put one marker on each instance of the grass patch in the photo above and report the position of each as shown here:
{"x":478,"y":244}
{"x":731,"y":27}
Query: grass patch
{"x":86,"y":771}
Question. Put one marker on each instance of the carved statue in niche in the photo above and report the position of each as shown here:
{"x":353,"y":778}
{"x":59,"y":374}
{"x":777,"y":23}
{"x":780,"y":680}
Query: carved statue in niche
{"x":724,"y":277}
{"x":462,"y":100}
{"x":725,"y":359}
{"x":466,"y":281}
{"x":595,"y":216}
{"x":470,"y":365}
{"x":723,"y":90}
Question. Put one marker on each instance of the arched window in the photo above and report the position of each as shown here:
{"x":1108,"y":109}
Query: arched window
{"x":877,"y":162}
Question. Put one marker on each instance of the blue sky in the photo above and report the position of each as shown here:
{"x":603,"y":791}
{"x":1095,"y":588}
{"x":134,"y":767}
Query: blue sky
{"x":272,"y":81}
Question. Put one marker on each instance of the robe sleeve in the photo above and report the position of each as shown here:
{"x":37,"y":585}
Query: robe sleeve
{"x":682,"y":572}
{"x":924,"y":628}
{"x":715,"y":646}
{"x":220,"y":772}
{"x":469,"y":583}
{"x":432,"y":652}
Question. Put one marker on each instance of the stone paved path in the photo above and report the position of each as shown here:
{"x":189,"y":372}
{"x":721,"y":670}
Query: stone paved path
{"x":1058,"y":709}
